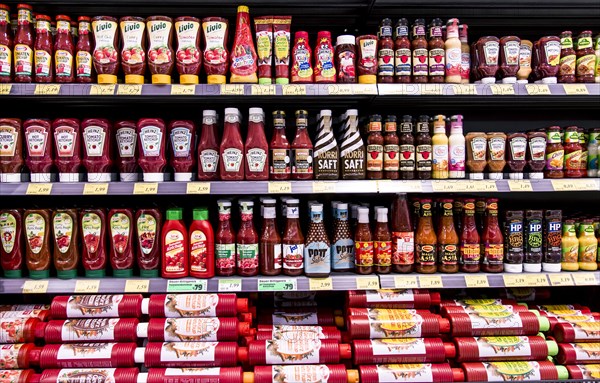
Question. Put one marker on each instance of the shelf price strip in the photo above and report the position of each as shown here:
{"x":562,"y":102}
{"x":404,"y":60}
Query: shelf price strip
{"x":87,"y":286}
{"x":475,"y":281}
{"x":431,"y":282}
{"x":277,"y":285}
{"x":194,"y":286}
{"x":95,"y":189}
{"x":137,"y":286}
{"x":367,"y":283}
{"x":230,"y":285}
{"x":35,"y":287}
{"x":561,"y":279}
{"x":584,"y":279}
{"x":197,"y":188}
{"x":39,"y":189}
{"x":401,"y":282}
{"x":317,"y":284}
{"x":145,"y":188}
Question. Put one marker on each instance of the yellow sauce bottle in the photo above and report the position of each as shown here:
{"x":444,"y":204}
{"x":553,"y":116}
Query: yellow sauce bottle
{"x":570,"y":247}
{"x":588,"y":246}
{"x":439,"y":142}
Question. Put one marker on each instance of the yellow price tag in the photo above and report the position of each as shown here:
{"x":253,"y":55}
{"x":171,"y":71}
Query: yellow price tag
{"x":5,"y":88}
{"x":514,"y":280}
{"x":481,"y":186}
{"x":444,"y":186}
{"x":465,"y":90}
{"x":364,"y":89}
{"x":431,"y":90}
{"x":323,"y":187}
{"x":520,"y":185}
{"x":584,"y":279}
{"x":320,"y":284}
{"x":575,"y":89}
{"x":183,"y":90}
{"x":537,"y":280}
{"x":561,"y":279}
{"x":35,"y":287}
{"x":367,"y":283}
{"x":47,"y":89}
{"x":129,"y":90}
{"x":571,"y":185}
{"x":401,"y":282}
{"x":538,"y":89}
{"x":232,"y":89}
{"x":39,"y":189}
{"x":431,"y":281}
{"x":293,"y":90}
{"x":263,"y":90}
{"x":145,"y":188}
{"x":87,"y":286}
{"x":475,"y":281}
{"x":92,"y":188}
{"x":280,"y":187}
{"x":102,"y":90}
{"x":502,"y":89}
{"x":198,"y":188}
{"x":397,"y":89}
{"x":137,"y":286}
{"x":339,"y":90}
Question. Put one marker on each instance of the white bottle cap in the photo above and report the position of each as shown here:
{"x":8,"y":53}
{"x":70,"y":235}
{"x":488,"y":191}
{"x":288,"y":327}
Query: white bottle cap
{"x":513,"y":268}
{"x":145,"y":305}
{"x":142,"y":377}
{"x":352,"y":112}
{"x":98,"y":177}
{"x":232,"y":111}
{"x":525,"y":81}
{"x":325,"y":112}
{"x":270,"y":212}
{"x":551,"y":267}
{"x":224,"y":202}
{"x":154,"y":177}
{"x":292,"y":201}
{"x":68,"y":177}
{"x":10,"y":177}
{"x":342,"y":206}
{"x":363,"y":215}
{"x":182,"y":177}
{"x":532,"y":267}
{"x":476,"y":176}
{"x":536,"y":176}
{"x":516,"y":176}
{"x":382,"y":214}
{"x":509,"y":80}
{"x":256,"y":111}
{"x":345,"y":39}
{"x":549,"y":80}
{"x":317,"y":207}
{"x":139,"y":355}
{"x":488,"y":80}
{"x":269,"y":201}
{"x":128,"y":177}
{"x":496,"y":176}
{"x":142,"y":330}
{"x":41,"y":177}
{"x":209,"y":113}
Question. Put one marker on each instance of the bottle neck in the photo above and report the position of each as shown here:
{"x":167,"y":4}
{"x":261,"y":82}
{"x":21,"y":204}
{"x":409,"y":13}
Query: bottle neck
{"x":209,"y":133}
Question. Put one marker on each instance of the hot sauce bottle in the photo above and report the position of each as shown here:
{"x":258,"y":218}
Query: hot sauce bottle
{"x":148,"y":223}
{"x":256,"y":148}
{"x":402,"y":53}
{"x":324,"y":64}
{"x":43,"y":50}
{"x":270,"y":244}
{"x":391,"y":149}
{"x":120,"y":232}
{"x":225,"y":241}
{"x":83,"y":51}
{"x":302,"y":149}
{"x":447,"y":240}
{"x":280,"y":154}
{"x":363,"y":243}
{"x":11,"y":242}
{"x":231,"y":150}
{"x":247,"y":242}
{"x":302,"y":72}
{"x":425,"y":241}
{"x":437,"y":53}
{"x":64,"y":49}
{"x":407,"y":149}
{"x":93,"y":234}
{"x":208,"y":147}
{"x":382,"y":243}
{"x":492,"y":240}
{"x":423,"y":149}
{"x":568,"y":58}
{"x":420,"y":53}
{"x":375,"y":149}
{"x":385,"y":53}
{"x":24,"y":44}
{"x":317,"y":252}
{"x":66,"y":243}
{"x":403,"y":236}
{"x":293,"y":240}
{"x":40,"y":153}
{"x":470,"y":244}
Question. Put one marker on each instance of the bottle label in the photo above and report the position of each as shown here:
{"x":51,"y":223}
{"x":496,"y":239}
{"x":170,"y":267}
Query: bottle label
{"x":448,"y":254}
{"x":225,"y":255}
{"x":126,"y":142}
{"x":83,"y":63}
{"x":93,"y":138}
{"x":454,"y":64}
{"x":403,"y":62}
{"x":465,"y":65}
{"x":8,"y":231}
{"x":91,"y":227}
{"x":8,"y":140}
{"x":191,"y":330}
{"x":82,"y":330}
{"x":403,"y":248}
{"x":264,"y":46}
{"x":374,"y":158}
{"x":343,"y":253}
{"x":151,"y":138}
{"x":277,"y":256}
{"x":518,"y":147}
{"x":391,"y":158}
{"x":383,"y":253}
{"x":470,"y":253}
{"x":188,"y":352}
{"x":62,"y":224}
{"x":23,"y":60}
{"x":104,"y":34}
{"x":573,"y":160}
{"x":15,"y":330}
{"x":302,"y":161}
{"x":386,"y":62}
{"x":159,"y":33}
{"x":479,"y":148}
{"x":146,"y":232}
{"x":187,"y":35}
{"x":514,"y":230}
{"x":37,"y":139}
{"x":426,"y":255}
{"x":5,"y":60}
{"x":257,"y":159}
{"x":299,"y":351}
{"x":214,"y":35}
{"x":324,"y":63}
{"x":525,"y":56}
{"x":247,"y":256}
{"x":368,"y":53}
{"x":43,"y":63}
{"x":500,"y":347}
{"x":424,"y":158}
{"x":280,"y":161}
{"x":65,"y":139}
{"x":181,"y":140}
{"x":174,"y":252}
{"x":399,"y":347}
{"x":364,"y":253}
{"x":494,"y":254}
{"x":511,"y":53}
{"x":491,"y":50}
{"x":9,"y":354}
{"x":419,"y":60}
{"x":63,"y":63}
{"x":232,"y":158}
{"x":586,"y":65}
{"x":302,"y":68}
{"x":327,"y":164}
{"x":132,"y":33}
{"x":567,"y":65}
{"x":407,"y":158}
{"x":119,"y":232}
{"x":457,"y":157}
{"x":537,"y":149}
{"x":497,"y":148}
{"x":209,"y":159}
{"x":385,"y":323}
{"x":437,"y":62}
{"x":293,"y":256}
{"x":354,"y":163}
{"x":86,"y":353}
{"x":555,"y":160}
{"x":346,"y":60}
{"x":552,"y":49}
{"x":198,"y":251}
{"x":440,"y":157}
{"x":317,"y":257}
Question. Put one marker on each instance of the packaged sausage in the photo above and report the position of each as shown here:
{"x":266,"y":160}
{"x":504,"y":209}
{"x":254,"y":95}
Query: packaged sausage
{"x":91,"y":330}
{"x":396,"y":323}
{"x":194,"y":305}
{"x":501,"y":323}
{"x":20,"y":330}
{"x":305,"y":351}
{"x":42,"y":315}
{"x":389,"y":373}
{"x":503,"y":348}
{"x":578,"y":353}
{"x":585,"y":372}
{"x":106,"y":55}
{"x":193,"y":375}
{"x":478,"y":309}
{"x":243,"y":53}
{"x":554,"y":319}
{"x":96,"y":306}
{"x":160,"y":50}
{"x":335,"y":373}
{"x":17,"y":376}
{"x":291,"y":332}
{"x":409,"y":350}
{"x":84,"y":355}
{"x":393,"y":299}
{"x":588,"y":332}
{"x":477,"y":302}
{"x":113,"y":375}
{"x":24,"y":307}
{"x":191,"y":354}
{"x":513,"y":371}
{"x":194,"y":329}
{"x":16,"y":356}
{"x":300,"y":316}
{"x":365,"y":312}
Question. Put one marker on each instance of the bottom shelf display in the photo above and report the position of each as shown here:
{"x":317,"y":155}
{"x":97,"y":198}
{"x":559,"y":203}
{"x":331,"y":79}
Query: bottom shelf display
{"x":374,"y":336}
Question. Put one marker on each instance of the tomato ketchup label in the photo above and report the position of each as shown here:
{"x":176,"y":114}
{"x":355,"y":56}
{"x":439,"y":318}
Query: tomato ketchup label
{"x":132,"y":32}
{"x":191,"y":329}
{"x":151,"y":138}
{"x":91,"y":226}
{"x":364,"y":253}
{"x":294,"y":374}
{"x":37,"y":139}
{"x":104,"y":305}
{"x":62,"y":224}
{"x":83,"y":63}
{"x":66,"y":140}
{"x":496,"y":347}
{"x":23,"y":60}
{"x":512,"y":371}
{"x":296,"y":318}
{"x":8,"y":140}
{"x":181,"y":139}
{"x":94,"y":138}
{"x":384,"y":295}
{"x":408,"y":346}
{"x":385,"y":323}
{"x":198,"y":251}
{"x":214,"y":35}
{"x":187,"y":32}
{"x":293,"y":256}
{"x":191,"y":305}
{"x":63,"y":62}
{"x":174,"y":251}
{"x":104,"y":34}
{"x":225,"y":255}
{"x":305,"y":351}
{"x":81,"y":330}
{"x":146,"y":232}
{"x":35,"y":226}
{"x":294,"y":332}
{"x":188,"y":351}
{"x":9,"y":357}
{"x":126,"y":141}
{"x":103,"y":375}
{"x":89,"y":351}
{"x":119,"y":229}
{"x":159,"y":33}
{"x":8,"y":228}
{"x":368,"y":54}
{"x":405,"y":373}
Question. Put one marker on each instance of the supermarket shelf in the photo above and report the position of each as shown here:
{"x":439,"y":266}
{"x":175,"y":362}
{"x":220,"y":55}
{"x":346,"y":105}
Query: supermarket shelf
{"x":299,"y":187}
{"x":336,"y":282}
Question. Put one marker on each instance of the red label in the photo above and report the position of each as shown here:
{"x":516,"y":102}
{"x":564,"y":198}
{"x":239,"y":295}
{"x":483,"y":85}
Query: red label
{"x":364,"y":253}
{"x":383,"y":253}
{"x":403,"y":248}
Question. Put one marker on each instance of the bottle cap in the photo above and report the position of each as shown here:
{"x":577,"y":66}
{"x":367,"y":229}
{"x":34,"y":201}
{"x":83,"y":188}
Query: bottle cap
{"x":345,"y":351}
{"x":563,"y":373}
{"x":161,"y":79}
{"x":317,"y":207}
{"x":95,"y":273}
{"x":324,"y":35}
{"x":241,"y":305}
{"x":551,"y":267}
{"x":436,"y":299}
{"x":265,"y":81}
{"x":552,"y":348}
{"x":139,"y":355}
{"x":488,"y":80}
{"x":209,"y":113}
{"x":232,"y":111}
{"x":66,"y":274}
{"x":149,"y":273}
{"x":382,"y":214}
{"x":544,"y":324}
{"x":128,"y":177}
{"x":367,"y":79}
{"x":536,"y":176}
{"x":68,"y":177}
{"x":513,"y":267}
{"x":301,"y":35}
{"x":182,"y":177}
{"x":352,"y":112}
{"x":363,"y":215}
{"x":353,"y":376}
{"x":154,"y":177}
{"x":516,"y":176}
{"x":10,"y":177}
{"x":188,"y":79}
{"x":444,"y":325}
{"x":175,"y":214}
{"x":39,"y":331}
{"x":39,"y":274}
{"x":142,"y":330}
{"x":134,"y":79}
{"x":216,"y":79}
{"x":242,"y":354}
{"x":123,"y":273}
{"x":200,"y":214}
{"x":256,"y":111}
{"x":41,"y":177}
{"x":280,"y":81}
{"x":145,"y":305}
{"x":524,"y":81}
{"x":549,"y":80}
{"x":13,"y":273}
{"x":458,"y":375}
{"x":532,"y":267}
{"x":325,"y":113}
{"x":224,"y":202}
{"x":98,"y":177}
{"x":107,"y":79}
{"x":339,"y":321}
{"x":247,"y":377}
{"x":496,"y":176}
{"x":509,"y":80}
{"x":449,"y":350}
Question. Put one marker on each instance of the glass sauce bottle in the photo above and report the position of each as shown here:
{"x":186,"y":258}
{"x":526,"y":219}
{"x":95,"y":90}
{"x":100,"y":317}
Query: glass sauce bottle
{"x":363,"y":243}
{"x":425,"y":241}
{"x":391,"y":149}
{"x":385,"y":54}
{"x":402,"y":54}
{"x":224,"y":241}
{"x":317,"y":252}
{"x":573,"y":153}
{"x":64,"y":49}
{"x":437,"y":53}
{"x":375,"y":149}
{"x":555,"y":153}
{"x":586,"y":57}
{"x":208,"y":147}
{"x":23,"y":41}
{"x":326,"y":153}
{"x":43,"y":50}
{"x":493,"y":240}
{"x":423,"y":149}
{"x":419,"y":52}
{"x":382,"y":243}
{"x":407,"y":149}
{"x":6,"y":45}
{"x":293,"y":240}
{"x":270,"y":244}
{"x":247,"y":242}
{"x":447,"y":240}
{"x":256,"y":148}
{"x":568,"y":58}
{"x":470,"y":243}
{"x":279,"y":167}
{"x":302,"y":149}
{"x":231,"y":150}
{"x":403,"y":237}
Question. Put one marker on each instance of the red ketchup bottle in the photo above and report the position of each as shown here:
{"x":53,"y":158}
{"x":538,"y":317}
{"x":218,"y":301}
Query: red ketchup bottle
{"x":127,"y":150}
{"x":182,"y":149}
{"x":148,"y":223}
{"x":225,"y":241}
{"x":232,"y":147}
{"x":185,"y":375}
{"x":504,"y":348}
{"x":6,"y":45}
{"x":120,"y":232}
{"x":279,"y":148}
{"x":335,"y":373}
{"x":67,"y":142}
{"x":92,"y":224}
{"x":82,"y":355}
{"x":44,"y":68}
{"x":382,"y":373}
{"x":192,"y":354}
{"x":24,"y":44}
{"x":11,"y":150}
{"x":208,"y":147}
{"x":40,"y":157}
{"x":247,"y":242}
{"x":83,"y":49}
{"x":91,"y":330}
{"x":324,"y":62}
{"x":133,"y":56}
{"x":151,"y":148}
{"x":308,"y":351}
{"x":106,"y":54}
{"x":194,"y":329}
{"x":243,"y":54}
{"x":175,"y":255}
{"x":201,"y":245}
{"x":11,"y":241}
{"x":160,"y":52}
{"x":256,"y":148}
{"x":513,"y":371}
{"x":302,"y":149}
{"x":188,"y":54}
{"x":408,"y":350}
{"x":63,"y":50}
{"x":116,"y":375}
{"x":301,"y":71}
{"x":194,"y":305}
{"x":96,"y":306}
{"x":216,"y":56}
{"x":97,"y":153}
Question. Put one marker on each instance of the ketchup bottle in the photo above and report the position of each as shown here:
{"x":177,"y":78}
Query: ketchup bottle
{"x":232,"y":147}
{"x":127,"y":150}
{"x":302,"y":149}
{"x":208,"y":147}
{"x":225,"y":241}
{"x":147,"y":224}
{"x":11,"y":241}
{"x":182,"y":149}
{"x":24,"y":44}
{"x":97,"y":148}
{"x":93,"y":233}
{"x":247,"y":242}
{"x":83,"y":56}
{"x":301,"y":71}
{"x":151,"y":148}
{"x":293,"y":241}
{"x":120,"y":229}
{"x":6,"y":45}
{"x":40,"y":153}
{"x":279,"y":166}
{"x":175,"y":257}
{"x":256,"y":148}
{"x":201,"y":245}
{"x":324,"y":63}
{"x":67,"y":142}
{"x":43,"y":50}
{"x":63,"y":54}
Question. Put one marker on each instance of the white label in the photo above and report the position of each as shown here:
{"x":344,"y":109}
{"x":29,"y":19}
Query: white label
{"x":90,"y":306}
{"x":191,"y":329}
{"x":209,"y":159}
{"x":305,"y":351}
{"x":8,"y":230}
{"x":93,"y":138}
{"x":126,"y":141}
{"x":277,"y":255}
{"x":392,"y":373}
{"x":191,"y":305}
{"x":295,"y":318}
{"x":503,"y":346}
{"x":293,"y":255}
{"x":132,"y":32}
{"x":256,"y":158}
{"x":479,"y":148}
{"x":292,"y":332}
{"x":512,"y":371}
{"x":409,"y":346}
{"x":65,"y":140}
{"x":518,"y":147}
{"x":212,"y":371}
{"x":388,"y":296}
{"x":183,"y":352}
{"x":511,"y":52}
{"x":552,"y":52}
{"x":440,"y":157}
{"x":159,"y":32}
{"x":301,"y":374}
{"x":394,"y":324}
{"x":214,"y":35}
{"x":187,"y":36}
{"x":77,"y":375}
{"x":491,"y":49}
{"x":104,"y":34}
{"x":181,"y":139}
{"x":497,"y":146}
{"x":151,"y":139}
{"x":587,"y":351}
{"x":78,"y":351}
{"x":36,"y":137}
{"x":586,"y":331}
{"x":457,"y":157}
{"x":232,"y":158}
{"x":537,"y":148}
{"x":83,"y":330}
{"x":8,"y":140}
{"x":495,"y":320}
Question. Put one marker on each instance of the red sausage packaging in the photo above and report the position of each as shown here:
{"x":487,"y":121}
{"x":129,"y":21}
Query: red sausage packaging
{"x":396,"y":323}
{"x":299,"y":351}
{"x":387,"y":373}
{"x":393,"y":299}
{"x":17,"y":376}
{"x":194,"y":329}
{"x":577,"y":332}
{"x":336,"y":373}
{"x":291,"y":332}
{"x":503,"y":348}
{"x":16,"y":356}
{"x":97,"y":306}
{"x":578,"y":353}
{"x":497,"y":323}
{"x":194,"y":305}
{"x":21,"y":330}
{"x":191,"y":354}
{"x":584,"y":371}
{"x":116,"y":375}
{"x":85,"y":355}
{"x":409,"y":350}
{"x":300,"y":316}
{"x":91,"y":330}
{"x":476,"y":302}
{"x":513,"y":371}
{"x":192,"y":375}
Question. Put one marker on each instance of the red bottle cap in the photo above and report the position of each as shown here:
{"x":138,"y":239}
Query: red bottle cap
{"x":63,"y":17}
{"x":242,"y":354}
{"x":245,"y":330}
{"x":301,"y":35}
{"x":323,"y":34}
{"x":25,"y":6}
{"x":345,"y":351}
{"x":34,"y":356}
{"x":436,"y":299}
{"x":40,"y":330}
{"x":458,"y":375}
{"x":444,"y":325}
{"x":449,"y":350}
{"x":242,"y":305}
{"x":84,"y":18}
{"x":43,"y":17}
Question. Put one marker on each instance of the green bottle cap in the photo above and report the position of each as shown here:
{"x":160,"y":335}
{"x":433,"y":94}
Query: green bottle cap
{"x":95,"y":273}
{"x":175,"y":214}
{"x":552,"y":348}
{"x":544,"y":324}
{"x":13,"y":274}
{"x":149,"y":273}
{"x":200,"y":214}
{"x":66,"y":274}
{"x":125,"y":273}
{"x":264,"y":81}
{"x":282,"y":81}
{"x":39,"y":274}
{"x":563,"y":373}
